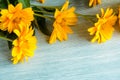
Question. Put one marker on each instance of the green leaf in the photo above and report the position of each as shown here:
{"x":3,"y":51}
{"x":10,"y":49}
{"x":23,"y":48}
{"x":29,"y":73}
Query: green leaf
{"x":10,"y":45}
{"x":3,"y":35}
{"x":6,"y":36}
{"x":49,"y":9}
{"x":3,"y":4}
{"x":40,"y":23}
{"x":13,"y":2}
{"x":26,"y":3}
{"x":11,"y":36}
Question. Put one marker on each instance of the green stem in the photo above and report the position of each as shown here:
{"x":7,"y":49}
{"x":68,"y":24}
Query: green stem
{"x":4,"y":38}
{"x":86,"y":17}
{"x":52,"y":7}
{"x":36,"y":23}
{"x":37,"y":26}
{"x":8,"y":1}
{"x":50,"y":18}
{"x":43,"y":12}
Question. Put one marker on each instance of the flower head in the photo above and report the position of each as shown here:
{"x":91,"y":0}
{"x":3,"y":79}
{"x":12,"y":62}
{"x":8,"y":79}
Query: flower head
{"x":15,"y":16}
{"x":63,"y":19}
{"x":41,"y":1}
{"x":24,"y":45}
{"x":94,"y":2}
{"x":119,"y":16}
{"x":103,"y":28}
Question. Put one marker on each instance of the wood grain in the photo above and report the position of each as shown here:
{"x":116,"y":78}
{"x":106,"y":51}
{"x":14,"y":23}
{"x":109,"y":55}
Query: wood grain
{"x":75,"y":59}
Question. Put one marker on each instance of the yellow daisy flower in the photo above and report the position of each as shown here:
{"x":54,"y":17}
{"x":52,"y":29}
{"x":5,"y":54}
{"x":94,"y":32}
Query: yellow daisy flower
{"x":119,"y":16}
{"x":24,"y":45}
{"x":15,"y":16}
{"x":94,"y":2}
{"x":103,"y":28}
{"x":63,"y":18}
{"x":41,"y":1}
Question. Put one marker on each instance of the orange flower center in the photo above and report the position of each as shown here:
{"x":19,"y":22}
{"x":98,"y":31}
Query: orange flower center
{"x":17,"y":20}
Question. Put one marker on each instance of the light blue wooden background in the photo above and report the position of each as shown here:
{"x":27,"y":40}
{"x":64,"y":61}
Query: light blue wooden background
{"x":75,"y":59}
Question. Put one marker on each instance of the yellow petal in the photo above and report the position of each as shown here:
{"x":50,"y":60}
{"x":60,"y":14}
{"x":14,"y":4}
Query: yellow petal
{"x":11,"y":8}
{"x":52,"y":37}
{"x":65,"y":6}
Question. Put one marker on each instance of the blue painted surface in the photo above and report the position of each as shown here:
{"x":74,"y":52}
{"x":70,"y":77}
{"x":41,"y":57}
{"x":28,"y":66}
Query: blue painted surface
{"x":75,"y":59}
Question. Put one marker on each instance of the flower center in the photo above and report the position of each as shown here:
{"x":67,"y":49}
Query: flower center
{"x":17,"y":20}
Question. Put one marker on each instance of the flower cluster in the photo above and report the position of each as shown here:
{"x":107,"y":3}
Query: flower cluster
{"x":19,"y":18}
{"x":16,"y":20}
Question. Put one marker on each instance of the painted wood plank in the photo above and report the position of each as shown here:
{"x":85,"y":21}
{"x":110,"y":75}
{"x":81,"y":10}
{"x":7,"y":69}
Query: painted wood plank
{"x":75,"y":59}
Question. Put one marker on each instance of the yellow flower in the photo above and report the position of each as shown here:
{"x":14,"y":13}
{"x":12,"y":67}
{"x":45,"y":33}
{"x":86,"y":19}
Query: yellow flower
{"x":15,"y":16}
{"x":41,"y":1}
{"x":63,"y":19}
{"x":119,"y":16}
{"x":24,"y":45}
{"x":94,"y":2}
{"x":103,"y":28}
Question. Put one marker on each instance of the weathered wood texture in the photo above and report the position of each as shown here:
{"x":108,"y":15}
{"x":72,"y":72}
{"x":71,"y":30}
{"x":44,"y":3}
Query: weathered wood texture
{"x":75,"y":59}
